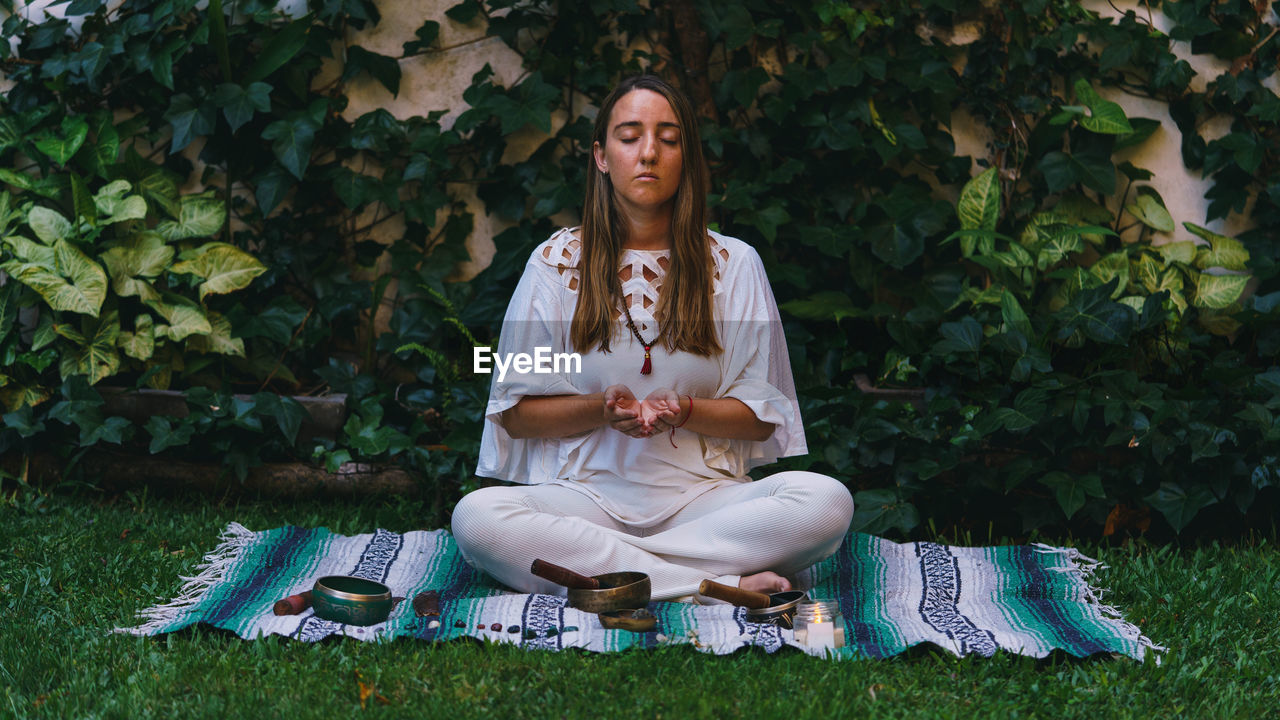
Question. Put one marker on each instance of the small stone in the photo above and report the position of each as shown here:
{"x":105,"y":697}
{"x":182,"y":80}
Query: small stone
{"x":661,"y":638}
{"x":460,"y":623}
{"x":495,"y":627}
{"x":552,"y":631}
{"x":513,"y":629}
{"x":571,"y":628}
{"x":529,"y":634}
{"x":433,"y":624}
{"x":480,"y":626}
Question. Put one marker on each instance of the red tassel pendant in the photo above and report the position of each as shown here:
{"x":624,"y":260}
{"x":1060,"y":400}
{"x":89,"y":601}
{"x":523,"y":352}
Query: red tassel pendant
{"x":647,"y":367}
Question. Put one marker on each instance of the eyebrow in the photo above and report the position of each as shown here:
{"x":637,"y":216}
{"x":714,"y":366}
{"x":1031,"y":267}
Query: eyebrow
{"x":637,"y":123}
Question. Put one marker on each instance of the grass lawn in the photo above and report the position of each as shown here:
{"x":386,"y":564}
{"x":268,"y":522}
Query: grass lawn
{"x":74,"y":566}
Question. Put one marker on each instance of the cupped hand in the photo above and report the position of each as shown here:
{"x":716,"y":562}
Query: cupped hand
{"x":622,"y":412}
{"x":660,"y":410}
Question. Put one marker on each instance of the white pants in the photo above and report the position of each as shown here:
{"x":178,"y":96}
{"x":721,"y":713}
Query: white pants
{"x":783,"y":523}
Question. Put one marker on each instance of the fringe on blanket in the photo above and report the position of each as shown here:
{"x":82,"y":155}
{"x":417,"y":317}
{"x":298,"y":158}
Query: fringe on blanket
{"x":235,"y":537}
{"x":1084,"y":568}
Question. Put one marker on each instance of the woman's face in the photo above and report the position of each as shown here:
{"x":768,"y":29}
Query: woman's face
{"x":642,"y":153}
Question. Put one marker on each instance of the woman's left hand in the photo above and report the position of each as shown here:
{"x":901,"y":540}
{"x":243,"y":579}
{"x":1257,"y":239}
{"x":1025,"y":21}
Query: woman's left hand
{"x":661,"y":410}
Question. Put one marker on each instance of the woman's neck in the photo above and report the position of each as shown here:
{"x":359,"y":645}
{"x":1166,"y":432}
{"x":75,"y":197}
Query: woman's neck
{"x":649,"y":232}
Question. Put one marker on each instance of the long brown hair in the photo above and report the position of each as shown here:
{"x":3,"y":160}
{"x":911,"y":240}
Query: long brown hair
{"x":685,"y":311}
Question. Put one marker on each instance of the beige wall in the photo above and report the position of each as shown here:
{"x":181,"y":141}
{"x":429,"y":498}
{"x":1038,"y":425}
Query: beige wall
{"x":436,"y":80}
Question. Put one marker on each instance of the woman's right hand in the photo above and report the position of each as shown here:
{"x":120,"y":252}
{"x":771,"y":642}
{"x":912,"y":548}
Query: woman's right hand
{"x":622,"y":412}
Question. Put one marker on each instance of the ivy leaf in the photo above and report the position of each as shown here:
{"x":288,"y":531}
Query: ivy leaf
{"x":1094,"y":171}
{"x":280,"y":49}
{"x":292,"y":144}
{"x":1092,"y":311}
{"x":427,"y":36}
{"x":277,"y":321}
{"x":198,"y":216}
{"x":188,"y":120}
{"x":66,"y":144}
{"x":1218,"y":291}
{"x":1178,"y":504}
{"x":527,"y":104}
{"x":114,"y":430}
{"x":353,"y":188}
{"x":1150,"y":210}
{"x":464,"y":12}
{"x":289,"y":413}
{"x":877,"y":511}
{"x":22,"y":420}
{"x":1071,"y":490}
{"x":164,"y":435}
{"x":979,"y":204}
{"x":224,"y":268}
{"x":383,"y":68}
{"x":272,"y":187}
{"x":239,"y":103}
{"x":1105,"y":117}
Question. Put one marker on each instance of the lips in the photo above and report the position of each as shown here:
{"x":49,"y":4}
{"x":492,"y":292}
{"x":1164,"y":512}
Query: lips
{"x":646,"y":176}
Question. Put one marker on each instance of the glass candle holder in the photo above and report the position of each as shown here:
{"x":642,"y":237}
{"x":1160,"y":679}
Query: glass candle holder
{"x":819,"y":624}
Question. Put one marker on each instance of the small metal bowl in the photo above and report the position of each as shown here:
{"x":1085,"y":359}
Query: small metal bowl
{"x":618,"y":591}
{"x":781,"y":610}
{"x":351,"y":600}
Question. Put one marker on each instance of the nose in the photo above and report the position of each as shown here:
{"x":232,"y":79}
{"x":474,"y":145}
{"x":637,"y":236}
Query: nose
{"x":649,"y":150}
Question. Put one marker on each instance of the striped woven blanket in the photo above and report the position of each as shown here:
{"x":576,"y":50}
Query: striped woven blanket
{"x":1029,"y":600}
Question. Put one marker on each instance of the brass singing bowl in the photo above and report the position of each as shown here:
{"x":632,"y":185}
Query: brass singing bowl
{"x":351,"y":600}
{"x":781,"y":610}
{"x":618,"y":591}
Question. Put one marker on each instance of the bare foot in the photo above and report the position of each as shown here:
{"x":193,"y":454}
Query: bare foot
{"x":765,"y":582}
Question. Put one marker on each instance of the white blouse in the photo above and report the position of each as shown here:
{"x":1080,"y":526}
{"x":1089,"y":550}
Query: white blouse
{"x":642,"y":481}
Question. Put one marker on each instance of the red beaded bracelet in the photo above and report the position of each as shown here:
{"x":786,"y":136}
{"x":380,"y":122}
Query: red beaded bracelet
{"x":672,"y":438}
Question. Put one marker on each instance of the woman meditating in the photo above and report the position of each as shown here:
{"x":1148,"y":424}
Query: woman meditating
{"x":637,"y":460}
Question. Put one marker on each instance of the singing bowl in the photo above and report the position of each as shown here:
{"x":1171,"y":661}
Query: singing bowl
{"x":618,"y":591}
{"x":781,"y":610}
{"x":351,"y":600}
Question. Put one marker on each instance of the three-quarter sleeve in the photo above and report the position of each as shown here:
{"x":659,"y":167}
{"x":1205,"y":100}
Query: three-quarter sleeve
{"x":756,"y":368}
{"x":534,"y":326}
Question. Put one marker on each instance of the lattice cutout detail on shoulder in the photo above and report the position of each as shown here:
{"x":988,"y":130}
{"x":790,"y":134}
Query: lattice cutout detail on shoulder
{"x":641,"y":274}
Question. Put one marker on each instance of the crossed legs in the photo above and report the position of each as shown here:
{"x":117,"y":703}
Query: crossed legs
{"x":783,"y":524}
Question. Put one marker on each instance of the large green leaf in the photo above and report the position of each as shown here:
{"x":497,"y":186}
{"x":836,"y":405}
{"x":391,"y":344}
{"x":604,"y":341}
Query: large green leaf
{"x":979,"y":204}
{"x":1114,"y":265}
{"x":73,"y":283}
{"x":185,"y":317}
{"x":97,"y":357}
{"x":1151,"y":212}
{"x":1105,"y":117}
{"x":30,"y":251}
{"x":219,"y":340}
{"x":114,"y":207}
{"x":1057,"y":247}
{"x":224,"y":268}
{"x":877,"y":511}
{"x":199,"y":216}
{"x":1218,"y":291}
{"x":1144,"y":271}
{"x":1014,"y":316}
{"x":1183,"y":252}
{"x":1223,"y":251}
{"x":141,"y":343}
{"x":62,"y":147}
{"x":48,"y":225}
{"x":189,"y":120}
{"x":141,"y":257}
{"x":827,"y":305}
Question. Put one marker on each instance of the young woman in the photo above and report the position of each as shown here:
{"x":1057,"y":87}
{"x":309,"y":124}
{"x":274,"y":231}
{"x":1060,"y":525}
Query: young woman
{"x":637,"y":459}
